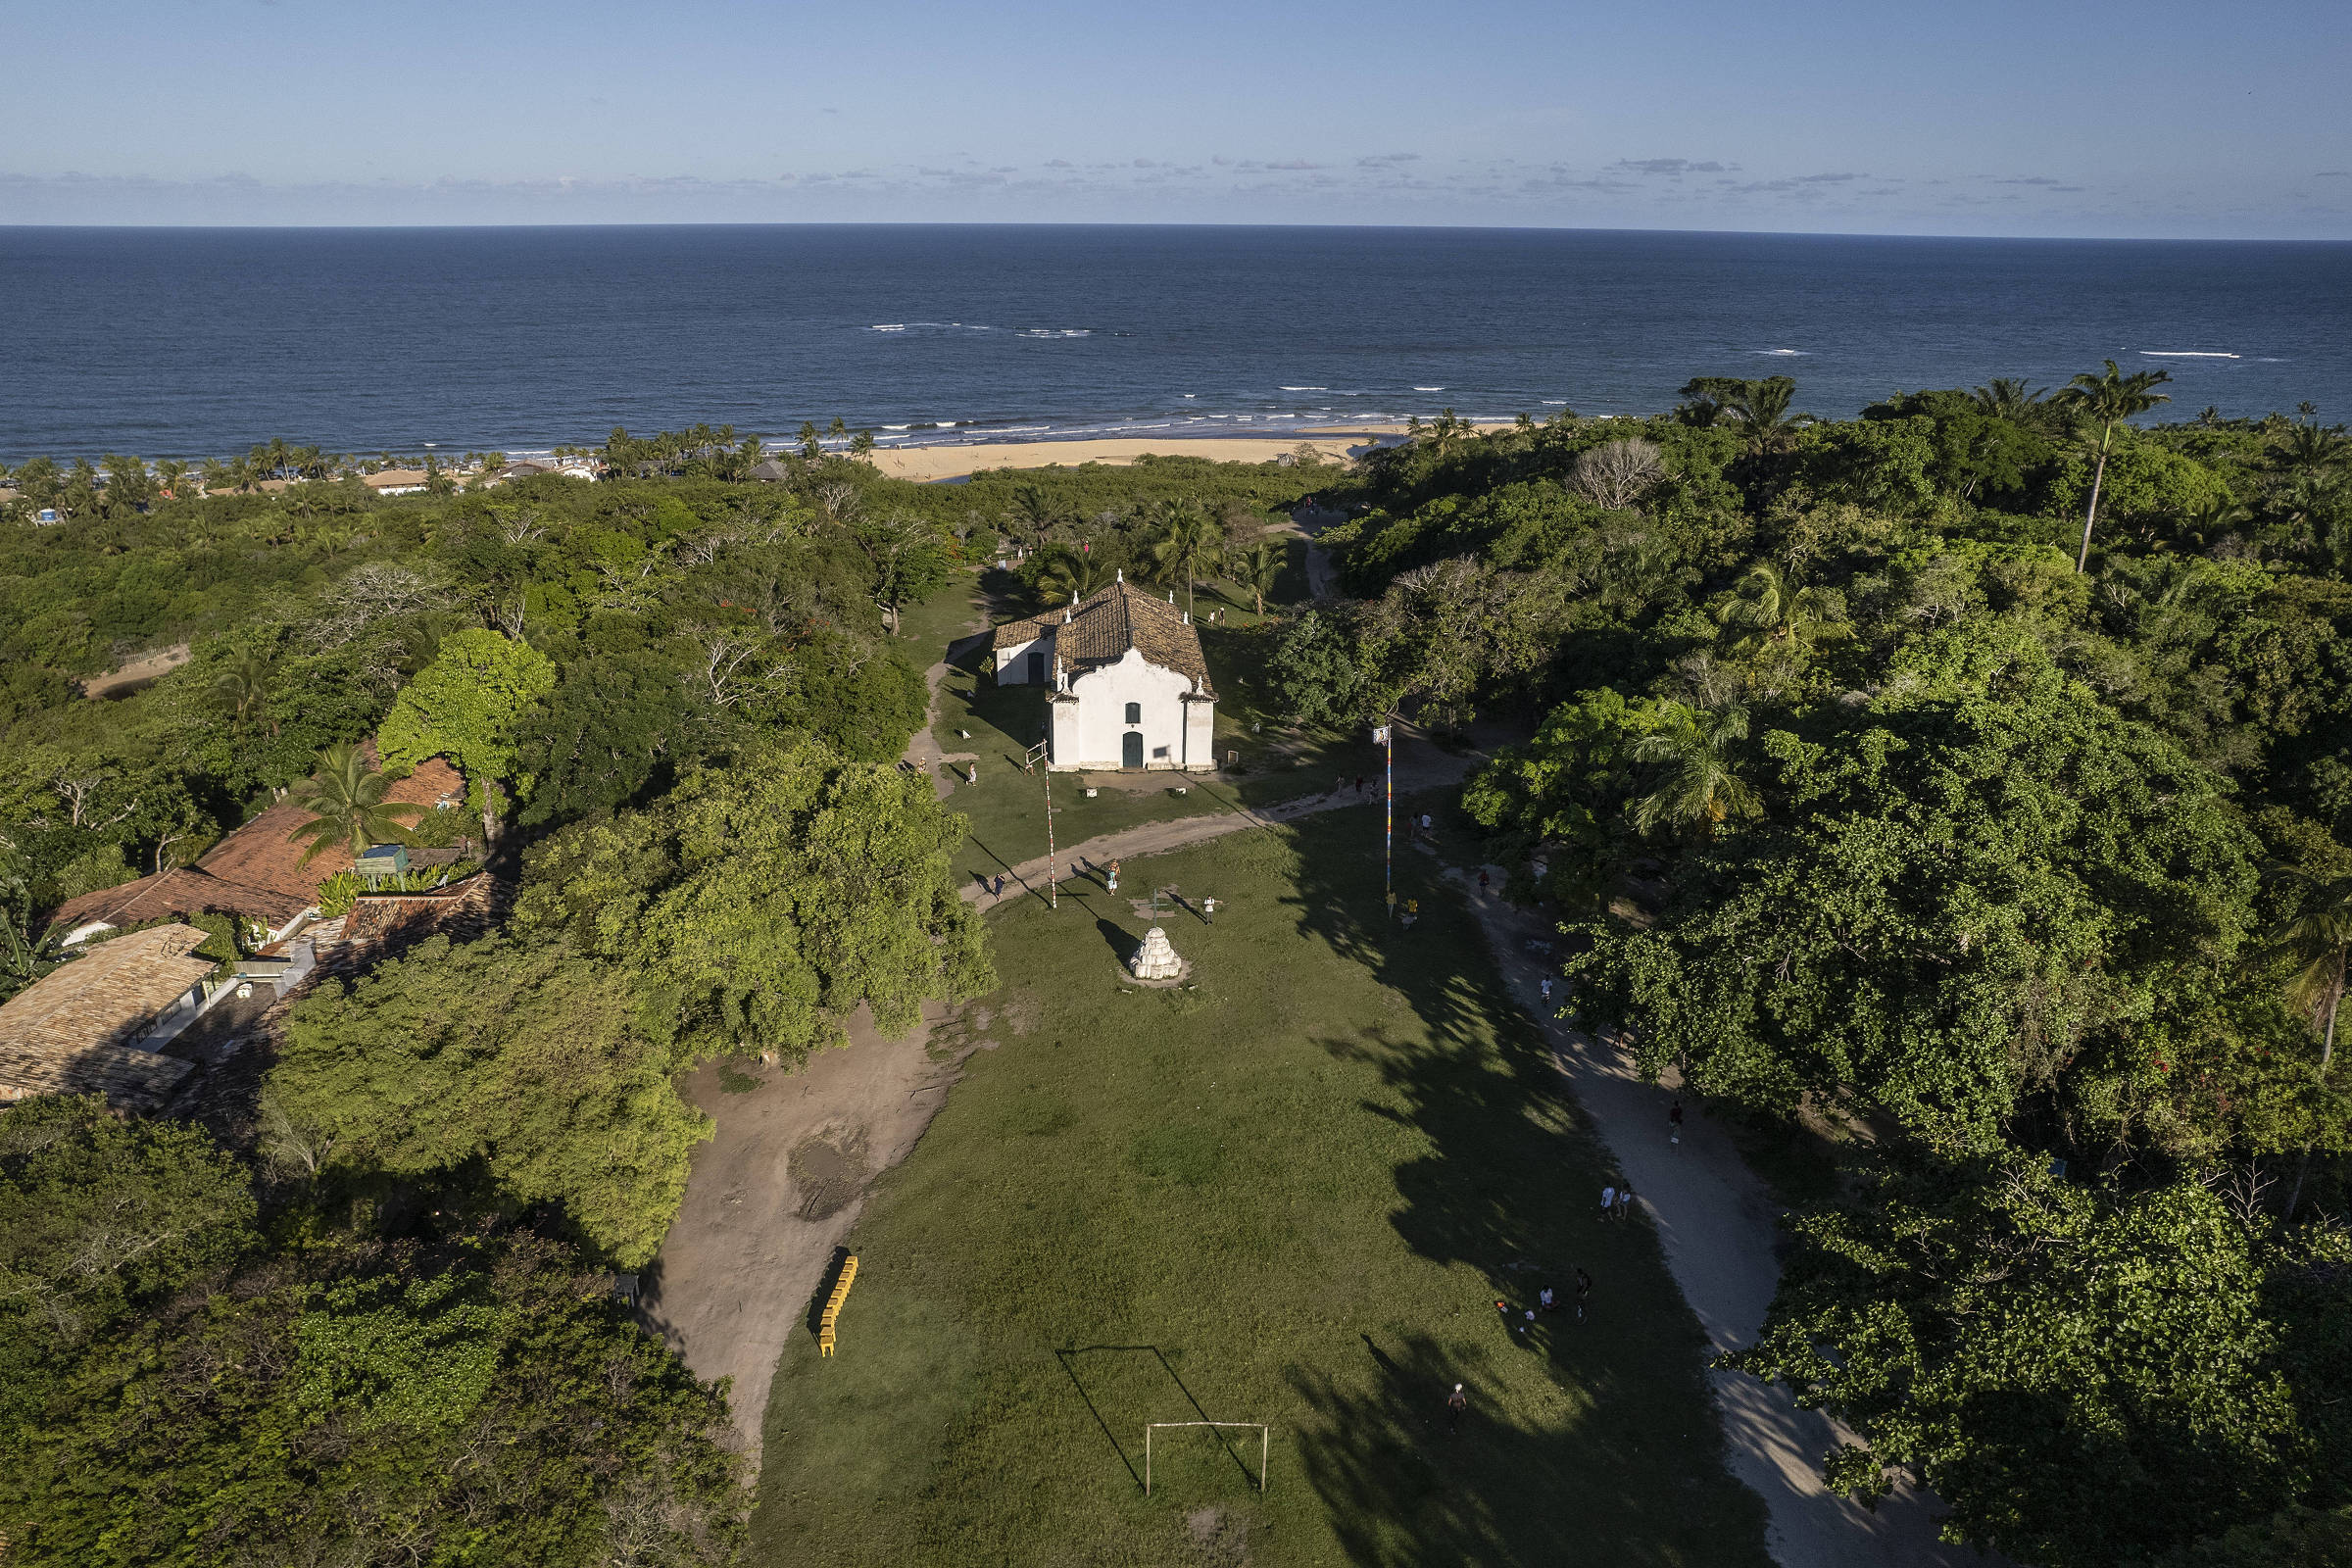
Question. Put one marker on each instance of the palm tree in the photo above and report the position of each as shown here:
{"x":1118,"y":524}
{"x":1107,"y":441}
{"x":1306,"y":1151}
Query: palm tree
{"x":2311,"y":449}
{"x":2008,"y":397}
{"x":1186,"y":547}
{"x":1071,"y":575}
{"x":1694,"y":780}
{"x":1257,"y":567}
{"x":241,"y":686}
{"x":2317,"y":938}
{"x":2106,"y":401}
{"x":1768,"y":610}
{"x":347,"y":806}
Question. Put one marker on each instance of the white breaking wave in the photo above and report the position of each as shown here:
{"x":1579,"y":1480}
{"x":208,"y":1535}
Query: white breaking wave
{"x":1305,"y":389}
{"x":1787,"y":353}
{"x":2186,"y":354}
{"x":1429,"y":389}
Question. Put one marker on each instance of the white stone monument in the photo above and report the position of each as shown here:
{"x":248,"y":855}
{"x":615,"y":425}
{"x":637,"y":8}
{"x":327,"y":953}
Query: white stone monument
{"x":1156,"y":959}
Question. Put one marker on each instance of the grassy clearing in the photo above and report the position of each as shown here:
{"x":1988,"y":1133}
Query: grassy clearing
{"x":1289,"y":1193}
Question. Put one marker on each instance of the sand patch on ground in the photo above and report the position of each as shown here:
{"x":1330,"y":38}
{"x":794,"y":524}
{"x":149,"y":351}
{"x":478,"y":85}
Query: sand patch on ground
{"x":140,"y":671}
{"x":775,"y":1193}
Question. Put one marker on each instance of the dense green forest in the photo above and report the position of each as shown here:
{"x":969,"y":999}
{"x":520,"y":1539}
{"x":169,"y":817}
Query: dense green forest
{"x":1966,"y":785}
{"x":365,"y":1314}
{"x":1884,"y":789}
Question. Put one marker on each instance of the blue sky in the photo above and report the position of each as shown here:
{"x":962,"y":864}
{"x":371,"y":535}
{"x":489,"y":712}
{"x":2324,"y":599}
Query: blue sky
{"x":2064,"y":119}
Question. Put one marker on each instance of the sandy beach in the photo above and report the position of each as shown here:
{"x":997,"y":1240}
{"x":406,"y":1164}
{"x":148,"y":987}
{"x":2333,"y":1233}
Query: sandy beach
{"x":1335,"y":442}
{"x":955,"y":461}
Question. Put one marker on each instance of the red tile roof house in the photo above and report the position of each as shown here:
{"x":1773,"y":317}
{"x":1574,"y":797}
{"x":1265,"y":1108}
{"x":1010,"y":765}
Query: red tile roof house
{"x":255,"y":873}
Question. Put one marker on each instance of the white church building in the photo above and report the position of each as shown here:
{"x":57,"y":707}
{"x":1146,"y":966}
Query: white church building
{"x":1128,"y":685}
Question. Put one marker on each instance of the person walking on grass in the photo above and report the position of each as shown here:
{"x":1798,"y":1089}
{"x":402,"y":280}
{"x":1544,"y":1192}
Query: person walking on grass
{"x":1547,"y":1300}
{"x":1547,"y":989}
{"x":1208,"y":912}
{"x":1584,"y":1287}
{"x":1112,"y":886}
{"x":1674,"y":1121}
{"x":1624,"y":1202}
{"x":1609,"y":1199}
{"x":1455,"y":1404}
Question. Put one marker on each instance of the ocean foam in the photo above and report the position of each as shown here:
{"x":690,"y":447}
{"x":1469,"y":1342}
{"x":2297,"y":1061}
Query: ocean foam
{"x":1787,"y":353}
{"x":1429,"y":389}
{"x":2186,"y":354}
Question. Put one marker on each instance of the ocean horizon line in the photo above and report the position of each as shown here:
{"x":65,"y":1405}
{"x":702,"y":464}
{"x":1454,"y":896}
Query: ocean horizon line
{"x":8,"y":225}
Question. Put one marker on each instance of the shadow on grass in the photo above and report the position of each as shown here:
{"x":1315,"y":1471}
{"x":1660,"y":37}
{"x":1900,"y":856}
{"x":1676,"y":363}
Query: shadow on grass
{"x":1630,"y":1460}
{"x":1069,"y":1365}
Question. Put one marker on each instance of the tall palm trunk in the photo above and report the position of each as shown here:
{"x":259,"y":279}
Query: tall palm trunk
{"x":2327,"y":1053}
{"x":2091,"y":513}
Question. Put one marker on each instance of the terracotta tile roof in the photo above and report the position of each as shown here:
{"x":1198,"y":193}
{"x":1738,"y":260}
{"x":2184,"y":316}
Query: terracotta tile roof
{"x":130,"y":1079}
{"x":460,"y":912}
{"x":182,"y":890}
{"x":1103,"y":626}
{"x":263,"y":854}
{"x":69,"y":1032}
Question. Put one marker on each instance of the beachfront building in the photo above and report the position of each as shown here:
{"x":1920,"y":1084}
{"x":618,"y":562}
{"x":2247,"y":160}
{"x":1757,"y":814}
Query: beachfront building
{"x":1127,"y":685}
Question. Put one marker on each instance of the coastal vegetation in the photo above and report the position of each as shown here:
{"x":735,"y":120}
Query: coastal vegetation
{"x":1959,"y":796}
{"x":1886,"y":800}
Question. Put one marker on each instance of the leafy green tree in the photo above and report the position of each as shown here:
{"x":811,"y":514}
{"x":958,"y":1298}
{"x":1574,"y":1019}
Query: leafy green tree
{"x":100,"y":1213}
{"x":2315,"y":940}
{"x":757,"y":904}
{"x":905,"y":557}
{"x":379,"y":1406}
{"x":1563,"y":794}
{"x":1313,"y":672}
{"x":345,"y":802}
{"x":2293,"y":1538}
{"x":614,"y":724}
{"x":2106,"y":401}
{"x":2082,"y":1375}
{"x":526,"y":1061}
{"x":467,"y":706}
{"x":1961,"y":898}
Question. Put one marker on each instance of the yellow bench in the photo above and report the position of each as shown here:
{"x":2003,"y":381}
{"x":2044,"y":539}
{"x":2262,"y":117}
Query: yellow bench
{"x":832,"y":1314}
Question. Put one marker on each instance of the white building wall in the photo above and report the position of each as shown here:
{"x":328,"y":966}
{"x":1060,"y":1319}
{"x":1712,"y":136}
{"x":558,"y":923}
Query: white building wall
{"x":1013,"y":663}
{"x":1101,"y":714}
{"x":1200,"y":734}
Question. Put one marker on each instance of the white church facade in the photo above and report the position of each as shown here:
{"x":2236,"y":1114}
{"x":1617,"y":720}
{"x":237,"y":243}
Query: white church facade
{"x":1127,"y":685}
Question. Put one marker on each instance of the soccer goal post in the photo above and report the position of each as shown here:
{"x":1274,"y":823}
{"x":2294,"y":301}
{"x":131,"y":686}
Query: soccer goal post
{"x":1264,"y":1445}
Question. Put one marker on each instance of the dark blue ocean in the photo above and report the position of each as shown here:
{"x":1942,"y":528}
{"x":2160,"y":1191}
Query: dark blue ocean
{"x":195,"y":342}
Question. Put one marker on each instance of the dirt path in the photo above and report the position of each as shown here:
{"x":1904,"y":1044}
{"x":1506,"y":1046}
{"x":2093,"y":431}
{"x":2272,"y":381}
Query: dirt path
{"x":775,"y":1193}
{"x":924,"y":751}
{"x":1717,"y":1223}
{"x":1420,"y":765}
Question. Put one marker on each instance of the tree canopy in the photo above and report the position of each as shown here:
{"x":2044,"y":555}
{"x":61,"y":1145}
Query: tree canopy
{"x":759,"y":903}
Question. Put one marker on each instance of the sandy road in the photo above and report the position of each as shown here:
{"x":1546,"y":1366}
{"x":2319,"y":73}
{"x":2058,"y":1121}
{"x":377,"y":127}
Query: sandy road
{"x":1716,"y":1222}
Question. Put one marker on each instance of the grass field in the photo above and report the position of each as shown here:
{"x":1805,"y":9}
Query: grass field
{"x":1291,"y":1194}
